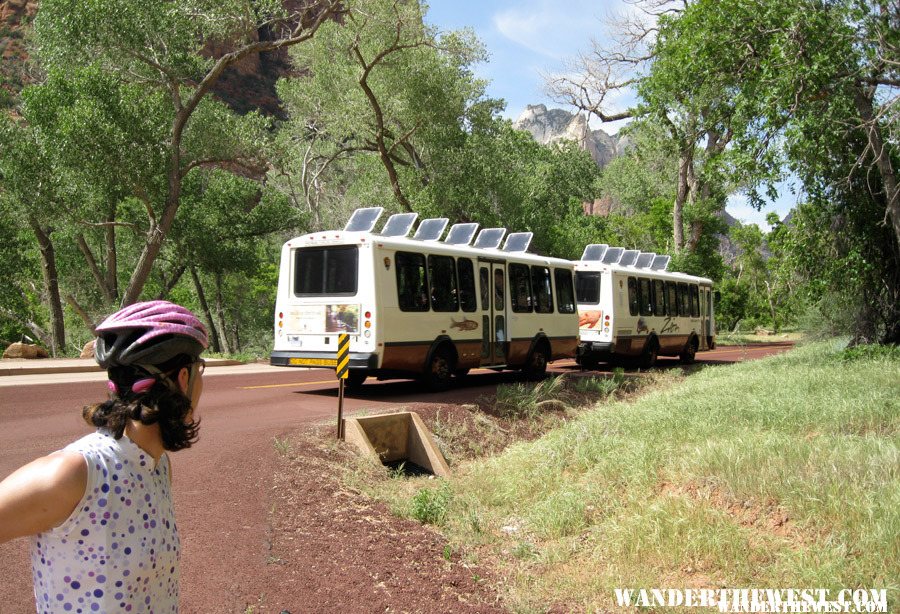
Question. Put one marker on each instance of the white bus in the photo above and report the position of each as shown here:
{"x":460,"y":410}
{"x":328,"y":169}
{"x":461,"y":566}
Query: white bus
{"x":422,"y":307}
{"x":631,"y":307}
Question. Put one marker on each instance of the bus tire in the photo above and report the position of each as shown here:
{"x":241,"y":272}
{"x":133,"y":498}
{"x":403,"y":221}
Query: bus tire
{"x":689,"y":353}
{"x":356,"y":378}
{"x":536,"y":366}
{"x":439,"y":375}
{"x":650,"y":353}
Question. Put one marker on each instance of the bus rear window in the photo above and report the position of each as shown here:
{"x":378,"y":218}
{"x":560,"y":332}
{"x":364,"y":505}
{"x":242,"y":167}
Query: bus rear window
{"x":325,"y":270}
{"x":587,"y":287}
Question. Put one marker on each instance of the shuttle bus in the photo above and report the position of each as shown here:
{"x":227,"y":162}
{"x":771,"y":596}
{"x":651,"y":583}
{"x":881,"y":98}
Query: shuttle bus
{"x":631,"y":307}
{"x":420,"y":306}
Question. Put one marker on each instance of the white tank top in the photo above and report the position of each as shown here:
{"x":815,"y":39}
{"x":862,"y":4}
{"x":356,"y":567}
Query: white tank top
{"x":118,"y":551}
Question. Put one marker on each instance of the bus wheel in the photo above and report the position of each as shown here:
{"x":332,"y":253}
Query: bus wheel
{"x":536,"y":368}
{"x":440,"y":371}
{"x":689,"y":353}
{"x":650,"y":354}
{"x":356,"y":377}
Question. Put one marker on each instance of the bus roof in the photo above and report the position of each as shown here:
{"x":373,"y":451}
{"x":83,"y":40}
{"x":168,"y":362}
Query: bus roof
{"x":341,"y":237}
{"x":595,"y":265}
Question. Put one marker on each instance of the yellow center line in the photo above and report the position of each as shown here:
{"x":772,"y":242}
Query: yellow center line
{"x":330,"y":381}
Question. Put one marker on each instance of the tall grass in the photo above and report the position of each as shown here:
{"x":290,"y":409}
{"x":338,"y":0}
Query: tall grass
{"x":783,"y":472}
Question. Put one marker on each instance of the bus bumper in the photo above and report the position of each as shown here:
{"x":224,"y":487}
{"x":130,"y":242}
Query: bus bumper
{"x":358,"y":360}
{"x":597,"y":350}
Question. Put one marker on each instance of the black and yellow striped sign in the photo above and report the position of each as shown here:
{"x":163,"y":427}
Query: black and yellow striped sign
{"x":343,"y":356}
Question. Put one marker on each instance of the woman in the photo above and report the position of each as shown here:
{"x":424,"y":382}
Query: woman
{"x":100,"y":511}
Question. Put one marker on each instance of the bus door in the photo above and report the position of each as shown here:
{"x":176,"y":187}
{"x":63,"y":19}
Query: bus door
{"x":494,"y":331}
{"x":704,"y":318}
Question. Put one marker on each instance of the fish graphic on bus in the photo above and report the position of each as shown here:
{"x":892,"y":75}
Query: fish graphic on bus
{"x":465,"y":324}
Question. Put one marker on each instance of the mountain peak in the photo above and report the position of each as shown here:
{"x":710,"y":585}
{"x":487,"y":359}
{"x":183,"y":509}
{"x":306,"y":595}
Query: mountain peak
{"x":550,"y":125}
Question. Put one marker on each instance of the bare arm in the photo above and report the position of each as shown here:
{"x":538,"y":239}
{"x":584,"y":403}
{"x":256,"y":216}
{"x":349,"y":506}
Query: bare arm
{"x":42,"y":494}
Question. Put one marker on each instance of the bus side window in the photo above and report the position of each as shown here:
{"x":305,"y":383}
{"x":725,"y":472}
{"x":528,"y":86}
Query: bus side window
{"x":484,"y":277}
{"x":672,"y":296}
{"x":695,"y":302}
{"x":499,"y":304}
{"x":520,"y":288}
{"x":659,"y":297}
{"x":565,"y":291}
{"x":412,"y":291}
{"x":646,"y":298}
{"x":684,"y":300}
{"x":442,"y":277}
{"x":543,"y":293}
{"x":634,"y":300}
{"x":467,"y":296}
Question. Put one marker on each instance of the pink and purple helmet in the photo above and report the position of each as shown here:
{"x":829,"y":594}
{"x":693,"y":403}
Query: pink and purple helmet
{"x":148,"y":333}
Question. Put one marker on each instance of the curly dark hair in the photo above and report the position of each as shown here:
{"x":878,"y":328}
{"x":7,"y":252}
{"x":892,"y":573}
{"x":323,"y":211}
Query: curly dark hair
{"x":161,"y":404}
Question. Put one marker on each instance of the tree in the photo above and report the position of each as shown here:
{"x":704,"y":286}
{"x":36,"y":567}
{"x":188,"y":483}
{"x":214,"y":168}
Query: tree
{"x":30,"y":193}
{"x":695,"y":114}
{"x":818,"y":90}
{"x":158,"y":47}
{"x":383,"y":85}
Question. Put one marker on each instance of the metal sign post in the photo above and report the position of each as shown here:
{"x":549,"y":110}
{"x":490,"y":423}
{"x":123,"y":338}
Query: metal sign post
{"x":341,"y":370}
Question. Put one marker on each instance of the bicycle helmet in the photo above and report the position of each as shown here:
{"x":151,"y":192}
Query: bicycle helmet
{"x":148,"y":333}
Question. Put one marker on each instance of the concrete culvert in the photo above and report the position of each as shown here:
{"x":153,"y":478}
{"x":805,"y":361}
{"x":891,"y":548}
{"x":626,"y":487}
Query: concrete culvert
{"x":396,"y":438}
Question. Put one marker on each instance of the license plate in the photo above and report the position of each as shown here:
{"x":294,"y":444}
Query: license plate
{"x":313,"y":362}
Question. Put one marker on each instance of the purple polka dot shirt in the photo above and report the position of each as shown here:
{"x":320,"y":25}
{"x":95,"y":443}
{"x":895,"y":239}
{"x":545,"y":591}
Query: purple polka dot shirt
{"x":118,"y":551}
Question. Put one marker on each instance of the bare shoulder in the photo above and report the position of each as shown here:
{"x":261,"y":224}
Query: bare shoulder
{"x":42,"y":494}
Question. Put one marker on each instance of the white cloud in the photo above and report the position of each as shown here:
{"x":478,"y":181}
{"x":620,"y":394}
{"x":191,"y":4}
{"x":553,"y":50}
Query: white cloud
{"x":530,"y":30}
{"x":549,"y":29}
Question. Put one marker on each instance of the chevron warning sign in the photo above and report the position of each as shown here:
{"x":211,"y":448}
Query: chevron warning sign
{"x":343,"y":356}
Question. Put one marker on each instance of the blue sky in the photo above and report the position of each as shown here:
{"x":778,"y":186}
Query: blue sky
{"x":527,"y":39}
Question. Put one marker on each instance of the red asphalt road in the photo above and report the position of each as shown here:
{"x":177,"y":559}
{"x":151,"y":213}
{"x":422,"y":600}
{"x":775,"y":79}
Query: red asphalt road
{"x":221,"y":485}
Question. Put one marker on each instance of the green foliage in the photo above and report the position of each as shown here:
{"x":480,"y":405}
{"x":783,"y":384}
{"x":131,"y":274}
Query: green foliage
{"x":791,"y":81}
{"x":501,"y":175}
{"x":888,"y":353}
{"x":431,"y":505}
{"x":392,"y":113}
{"x":601,"y":386}
{"x":526,"y":401}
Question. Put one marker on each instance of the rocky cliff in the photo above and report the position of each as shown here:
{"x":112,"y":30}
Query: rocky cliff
{"x":549,"y":125}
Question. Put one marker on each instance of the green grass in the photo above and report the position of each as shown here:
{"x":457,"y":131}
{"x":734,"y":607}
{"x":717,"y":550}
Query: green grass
{"x":782,"y":472}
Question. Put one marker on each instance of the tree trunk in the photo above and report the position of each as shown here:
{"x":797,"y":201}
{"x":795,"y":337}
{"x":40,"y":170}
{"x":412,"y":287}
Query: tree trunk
{"x":112,"y":259}
{"x":383,"y":153}
{"x":168,"y":285}
{"x":220,"y":314}
{"x":51,"y":285}
{"x":88,"y":322}
{"x":771,"y":307}
{"x":685,"y":160}
{"x":213,"y":333}
{"x":98,"y":276}
{"x":158,"y":231}
{"x":883,"y":163}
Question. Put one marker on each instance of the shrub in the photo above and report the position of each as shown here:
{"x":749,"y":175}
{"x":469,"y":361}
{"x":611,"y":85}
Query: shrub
{"x":429,"y":506}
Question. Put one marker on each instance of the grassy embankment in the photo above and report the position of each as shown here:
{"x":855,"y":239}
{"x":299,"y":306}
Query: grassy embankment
{"x":783,"y":472}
